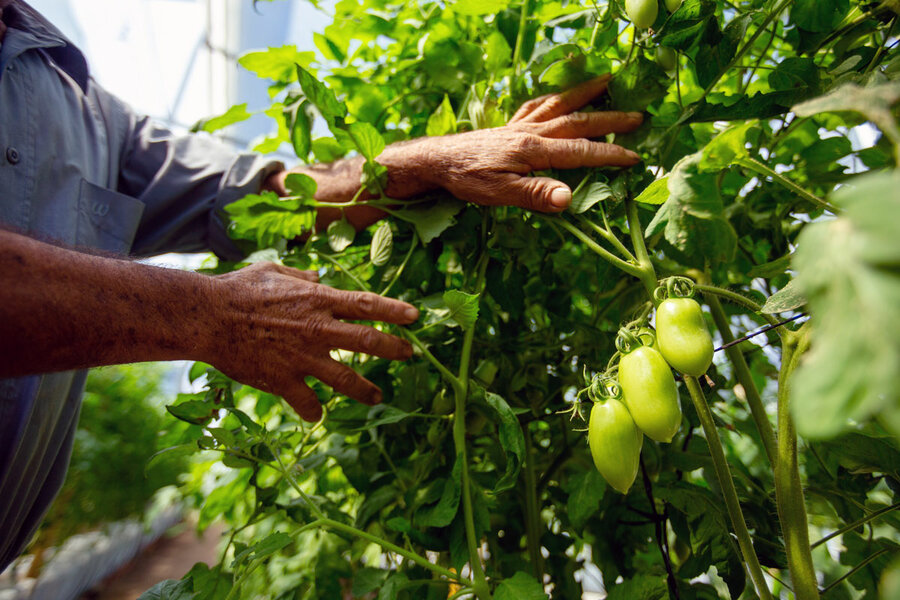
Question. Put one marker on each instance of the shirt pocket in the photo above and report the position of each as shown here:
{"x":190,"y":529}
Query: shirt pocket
{"x":107,"y":220}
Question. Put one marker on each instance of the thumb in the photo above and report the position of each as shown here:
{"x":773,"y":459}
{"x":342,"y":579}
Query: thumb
{"x":543,"y":194}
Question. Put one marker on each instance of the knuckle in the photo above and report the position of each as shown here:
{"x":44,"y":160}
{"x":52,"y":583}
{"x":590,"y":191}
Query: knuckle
{"x":367,"y":303}
{"x":346,"y":379}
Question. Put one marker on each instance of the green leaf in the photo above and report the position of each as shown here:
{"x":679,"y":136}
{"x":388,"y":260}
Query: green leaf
{"x":442,"y":513}
{"x":655,"y":193}
{"x":874,"y":102}
{"x":276,"y":63}
{"x":235,"y":114}
{"x":640,"y":84}
{"x":367,"y":139}
{"x":787,"y":298}
{"x":442,"y":121}
{"x":322,"y":98}
{"x":196,"y":412}
{"x":818,"y":16}
{"x":340,"y":234}
{"x":170,"y":589}
{"x":642,"y":587}
{"x":476,"y":8}
{"x":727,"y":147}
{"x":463,"y":307}
{"x":585,"y":492}
{"x":849,"y":269}
{"x":512,"y":440}
{"x":688,"y":25}
{"x":520,"y":586}
{"x":382,"y":245}
{"x":300,"y":127}
{"x":299,"y":184}
{"x":589,"y":195}
{"x":269,"y":545}
{"x":432,"y":221}
{"x":393,"y":586}
{"x":266,"y":218}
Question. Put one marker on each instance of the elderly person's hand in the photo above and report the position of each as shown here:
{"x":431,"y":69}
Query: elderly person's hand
{"x":488,"y":166}
{"x":277,"y":325}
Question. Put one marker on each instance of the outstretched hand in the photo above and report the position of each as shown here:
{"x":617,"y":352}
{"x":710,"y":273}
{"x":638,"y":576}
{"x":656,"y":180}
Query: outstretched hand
{"x":279,"y":325}
{"x":490,"y":166}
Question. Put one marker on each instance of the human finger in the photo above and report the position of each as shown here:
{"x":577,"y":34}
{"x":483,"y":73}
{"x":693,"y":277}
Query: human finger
{"x":303,"y":400}
{"x":345,"y":380}
{"x":571,"y":100}
{"x":366,"y":306}
{"x":312,"y":276}
{"x":542,"y":194}
{"x":368,"y":340}
{"x":571,"y":154}
{"x":588,"y":124}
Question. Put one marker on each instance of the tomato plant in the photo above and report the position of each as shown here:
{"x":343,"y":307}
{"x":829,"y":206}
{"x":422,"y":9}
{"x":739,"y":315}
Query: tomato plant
{"x":768,"y":178}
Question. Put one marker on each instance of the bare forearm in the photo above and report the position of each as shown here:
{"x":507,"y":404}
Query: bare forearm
{"x":61,"y":309}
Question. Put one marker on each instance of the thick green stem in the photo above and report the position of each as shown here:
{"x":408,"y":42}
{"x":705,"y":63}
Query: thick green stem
{"x":743,"y":376}
{"x":479,"y":584}
{"x":647,"y":274}
{"x":726,"y":483}
{"x":630,"y":268}
{"x":758,"y":167}
{"x":532,"y":513}
{"x":788,"y":487}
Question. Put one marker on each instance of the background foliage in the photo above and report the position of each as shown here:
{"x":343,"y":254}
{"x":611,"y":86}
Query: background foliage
{"x":769,"y":147}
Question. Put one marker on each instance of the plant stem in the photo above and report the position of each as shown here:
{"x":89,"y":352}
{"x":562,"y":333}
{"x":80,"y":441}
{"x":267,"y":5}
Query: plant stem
{"x":647,"y":273}
{"x":788,"y":487}
{"x":480,"y":586}
{"x":855,"y":569}
{"x":736,"y":298}
{"x":743,"y":376}
{"x":726,"y":483}
{"x":532,"y":514}
{"x":607,"y":235}
{"x":444,"y":371}
{"x":758,"y":167}
{"x":857,"y":523}
{"x":605,"y":254}
{"x":520,"y":40}
{"x":659,"y":523}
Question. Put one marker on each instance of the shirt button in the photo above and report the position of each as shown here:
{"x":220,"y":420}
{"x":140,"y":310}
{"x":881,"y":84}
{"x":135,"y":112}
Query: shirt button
{"x":12,"y":155}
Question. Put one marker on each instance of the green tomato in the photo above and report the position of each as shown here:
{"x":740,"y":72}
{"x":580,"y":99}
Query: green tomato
{"x":684,"y":339}
{"x":615,"y":443}
{"x":648,"y":388}
{"x":667,"y":58}
{"x":673,"y":5}
{"x":641,"y":12}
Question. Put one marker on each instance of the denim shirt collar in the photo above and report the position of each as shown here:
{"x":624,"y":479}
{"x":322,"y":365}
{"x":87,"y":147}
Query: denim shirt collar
{"x":27,"y":30}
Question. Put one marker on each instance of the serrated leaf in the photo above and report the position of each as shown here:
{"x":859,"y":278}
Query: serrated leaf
{"x":340,"y":234}
{"x":726,"y":148}
{"x":787,"y":298}
{"x":520,"y":586}
{"x":235,"y":114}
{"x":367,"y":139}
{"x":195,"y":412}
{"x":463,"y":307}
{"x":382,"y":245}
{"x":170,"y":589}
{"x":874,"y":102}
{"x":849,"y":270}
{"x":270,"y":544}
{"x":442,"y":121}
{"x":266,"y":218}
{"x":299,"y":184}
{"x":589,"y":195}
{"x":322,"y":98}
{"x":432,"y":221}
{"x":442,"y":513}
{"x":276,"y":63}
{"x":512,"y":441}
{"x":585,"y":492}
{"x":655,"y":193}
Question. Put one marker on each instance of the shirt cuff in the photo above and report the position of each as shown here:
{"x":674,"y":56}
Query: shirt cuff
{"x":245,"y":176}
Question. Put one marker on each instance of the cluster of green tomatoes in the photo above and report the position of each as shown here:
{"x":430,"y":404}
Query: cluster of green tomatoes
{"x":638,"y":396}
{"x":643,"y":13}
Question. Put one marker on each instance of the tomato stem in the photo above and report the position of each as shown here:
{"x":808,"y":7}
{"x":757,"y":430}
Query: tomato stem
{"x":788,"y":486}
{"x":762,"y":169}
{"x":743,"y":376}
{"x":726,"y":483}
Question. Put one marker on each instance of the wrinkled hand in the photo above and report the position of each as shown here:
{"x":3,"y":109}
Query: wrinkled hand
{"x":489,"y":166}
{"x":277,"y":325}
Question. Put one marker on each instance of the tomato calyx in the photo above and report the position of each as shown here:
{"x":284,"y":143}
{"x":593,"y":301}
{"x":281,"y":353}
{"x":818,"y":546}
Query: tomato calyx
{"x":674,"y":287}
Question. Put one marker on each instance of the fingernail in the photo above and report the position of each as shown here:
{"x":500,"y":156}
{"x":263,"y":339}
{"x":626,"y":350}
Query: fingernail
{"x":635,"y":115}
{"x":411,"y":313}
{"x":561,"y":197}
